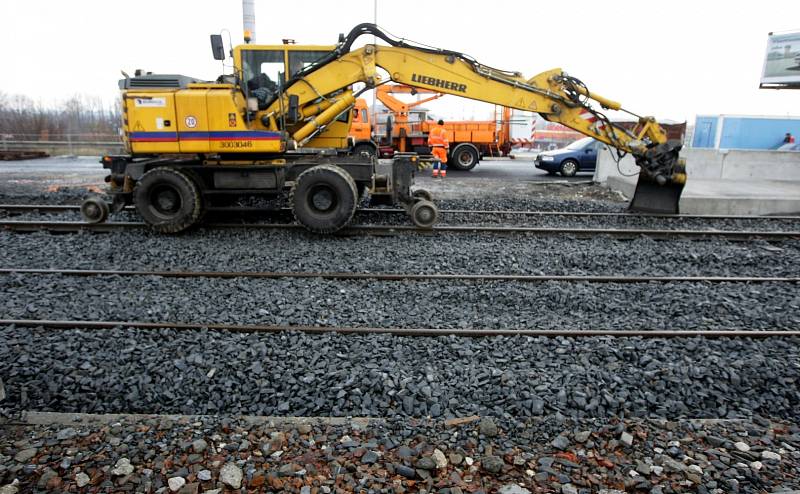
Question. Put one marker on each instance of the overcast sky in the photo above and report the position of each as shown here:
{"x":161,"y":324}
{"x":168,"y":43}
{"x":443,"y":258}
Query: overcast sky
{"x":690,"y":58}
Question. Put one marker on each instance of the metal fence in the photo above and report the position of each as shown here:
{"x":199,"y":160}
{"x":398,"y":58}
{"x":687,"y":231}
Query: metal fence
{"x":61,"y":143}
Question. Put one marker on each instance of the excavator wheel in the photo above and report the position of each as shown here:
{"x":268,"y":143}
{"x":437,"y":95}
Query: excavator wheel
{"x":168,"y":200}
{"x":424,"y":214}
{"x":324,"y":199}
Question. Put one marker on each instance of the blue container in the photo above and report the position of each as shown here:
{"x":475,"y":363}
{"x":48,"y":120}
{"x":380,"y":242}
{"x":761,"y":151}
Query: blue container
{"x":743,"y":132}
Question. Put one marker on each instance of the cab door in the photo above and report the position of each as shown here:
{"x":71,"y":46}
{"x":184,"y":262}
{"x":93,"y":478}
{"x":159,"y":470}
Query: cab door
{"x":360,"y":128}
{"x":588,"y":156}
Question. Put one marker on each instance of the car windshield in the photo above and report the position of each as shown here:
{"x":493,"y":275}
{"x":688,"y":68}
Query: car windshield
{"x":580,"y":143}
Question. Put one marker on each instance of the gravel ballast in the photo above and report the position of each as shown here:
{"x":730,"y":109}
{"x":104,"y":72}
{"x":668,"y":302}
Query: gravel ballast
{"x":258,"y":250}
{"x":202,"y":372}
{"x":450,"y":415}
{"x":414,"y":304}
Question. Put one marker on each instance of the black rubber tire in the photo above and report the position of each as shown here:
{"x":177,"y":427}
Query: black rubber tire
{"x":422,"y":194}
{"x":319,"y":183}
{"x":424,"y":214}
{"x":364,"y":147}
{"x":464,"y":157}
{"x":567,"y":170}
{"x":95,"y":210}
{"x":168,"y":200}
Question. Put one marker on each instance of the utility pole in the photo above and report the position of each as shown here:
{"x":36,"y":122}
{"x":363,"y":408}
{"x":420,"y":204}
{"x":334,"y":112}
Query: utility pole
{"x":374,"y":41}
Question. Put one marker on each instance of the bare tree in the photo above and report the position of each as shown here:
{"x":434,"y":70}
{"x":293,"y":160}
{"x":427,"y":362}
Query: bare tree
{"x":80,"y":117}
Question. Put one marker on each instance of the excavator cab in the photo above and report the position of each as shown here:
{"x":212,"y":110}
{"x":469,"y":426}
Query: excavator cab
{"x":265,"y":73}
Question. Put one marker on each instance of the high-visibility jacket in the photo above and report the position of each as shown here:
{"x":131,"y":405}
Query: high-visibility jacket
{"x":437,"y":137}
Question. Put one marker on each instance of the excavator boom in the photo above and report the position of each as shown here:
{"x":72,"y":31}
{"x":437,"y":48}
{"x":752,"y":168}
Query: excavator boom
{"x":554,"y":94}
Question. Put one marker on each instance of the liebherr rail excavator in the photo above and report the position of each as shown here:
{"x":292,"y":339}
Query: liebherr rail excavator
{"x":280,"y":121}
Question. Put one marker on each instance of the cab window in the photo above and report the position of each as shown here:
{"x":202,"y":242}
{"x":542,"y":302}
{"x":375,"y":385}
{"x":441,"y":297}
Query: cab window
{"x":299,"y":60}
{"x":263,"y":69}
{"x":344,"y":117}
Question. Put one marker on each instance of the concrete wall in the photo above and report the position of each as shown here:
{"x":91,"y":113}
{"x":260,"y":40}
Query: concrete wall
{"x":714,"y":164}
{"x":722,"y":182}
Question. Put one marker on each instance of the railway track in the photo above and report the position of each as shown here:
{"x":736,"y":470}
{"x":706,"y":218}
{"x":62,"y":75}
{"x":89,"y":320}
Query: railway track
{"x":410,"y":332}
{"x":57,"y":208}
{"x":72,"y":226}
{"x":402,"y":276}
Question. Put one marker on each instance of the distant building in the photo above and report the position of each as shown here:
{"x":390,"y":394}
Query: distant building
{"x":742,"y":131}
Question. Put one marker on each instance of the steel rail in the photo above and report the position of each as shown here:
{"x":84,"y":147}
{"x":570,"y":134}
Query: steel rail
{"x":70,"y":226}
{"x":400,"y":276}
{"x":472,"y":333}
{"x":244,"y":209}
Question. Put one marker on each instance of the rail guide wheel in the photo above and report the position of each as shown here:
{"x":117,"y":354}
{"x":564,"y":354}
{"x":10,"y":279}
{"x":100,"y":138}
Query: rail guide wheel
{"x":95,"y":210}
{"x":422,"y":194}
{"x":424,"y":213}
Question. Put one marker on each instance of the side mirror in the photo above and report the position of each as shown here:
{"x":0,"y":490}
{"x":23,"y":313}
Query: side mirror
{"x":293,"y":112}
{"x":217,"y":47}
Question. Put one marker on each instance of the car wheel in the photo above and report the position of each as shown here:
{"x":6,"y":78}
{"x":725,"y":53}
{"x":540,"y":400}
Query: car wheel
{"x":569,"y":168}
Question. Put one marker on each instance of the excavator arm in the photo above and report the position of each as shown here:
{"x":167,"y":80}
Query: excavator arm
{"x":321,"y":92}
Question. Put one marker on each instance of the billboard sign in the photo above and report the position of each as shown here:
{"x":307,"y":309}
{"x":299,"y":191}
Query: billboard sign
{"x":782,"y":61}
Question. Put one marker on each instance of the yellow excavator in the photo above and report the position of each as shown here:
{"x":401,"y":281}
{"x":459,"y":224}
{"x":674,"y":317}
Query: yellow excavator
{"x":281,"y":120}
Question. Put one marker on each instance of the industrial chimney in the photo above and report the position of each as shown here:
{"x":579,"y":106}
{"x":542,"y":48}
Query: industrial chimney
{"x":249,"y":20}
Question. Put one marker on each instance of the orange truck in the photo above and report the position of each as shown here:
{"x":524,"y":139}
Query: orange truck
{"x":407,"y":126}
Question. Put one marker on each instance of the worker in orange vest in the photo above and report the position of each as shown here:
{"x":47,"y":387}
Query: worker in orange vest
{"x":437,"y":140}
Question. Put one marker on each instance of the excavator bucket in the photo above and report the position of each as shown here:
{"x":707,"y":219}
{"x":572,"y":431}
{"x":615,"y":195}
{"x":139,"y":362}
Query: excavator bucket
{"x":661,"y":180}
{"x":650,"y":197}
